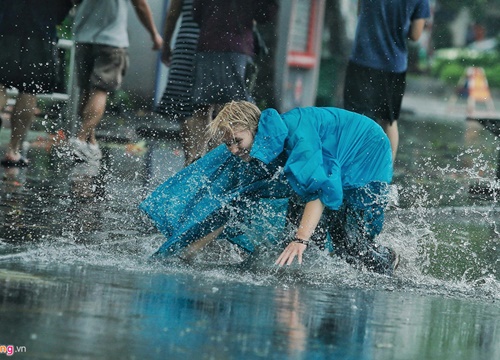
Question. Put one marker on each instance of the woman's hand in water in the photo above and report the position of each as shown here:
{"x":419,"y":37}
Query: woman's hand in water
{"x":310,"y":219}
{"x":295,"y":248}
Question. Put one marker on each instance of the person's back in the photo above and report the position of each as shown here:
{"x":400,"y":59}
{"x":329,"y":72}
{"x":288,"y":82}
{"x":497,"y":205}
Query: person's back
{"x":346,"y":138}
{"x":226,"y":26}
{"x":375,"y":80}
{"x":326,"y":149}
{"x":102,"y":22}
{"x":382,"y":33}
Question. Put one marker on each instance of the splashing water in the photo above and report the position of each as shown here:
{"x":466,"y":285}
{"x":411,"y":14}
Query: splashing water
{"x":77,"y":269}
{"x":448,"y":242}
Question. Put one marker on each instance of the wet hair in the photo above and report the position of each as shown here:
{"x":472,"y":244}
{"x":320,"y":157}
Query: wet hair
{"x":234,"y":116}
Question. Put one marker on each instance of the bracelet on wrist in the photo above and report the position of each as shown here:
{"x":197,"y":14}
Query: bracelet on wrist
{"x":301,"y":241}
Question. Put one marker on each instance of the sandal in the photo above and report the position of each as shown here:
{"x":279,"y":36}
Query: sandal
{"x":21,"y":162}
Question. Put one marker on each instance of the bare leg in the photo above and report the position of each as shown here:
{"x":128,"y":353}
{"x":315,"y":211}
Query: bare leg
{"x":214,"y":111}
{"x":194,"y":142}
{"x":472,"y":143}
{"x":3,"y":102}
{"x":393,"y":134}
{"x":3,"y":97}
{"x":199,"y":244}
{"x":21,"y":120}
{"x":83,"y":100}
{"x":91,"y":112}
{"x":187,"y":140}
{"x":471,"y":105}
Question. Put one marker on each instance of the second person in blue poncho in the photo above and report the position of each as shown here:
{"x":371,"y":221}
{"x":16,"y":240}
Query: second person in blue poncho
{"x":338,"y":164}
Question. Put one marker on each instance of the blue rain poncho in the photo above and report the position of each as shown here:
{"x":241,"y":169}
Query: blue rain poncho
{"x":328,"y":151}
{"x":213,"y":192}
{"x":317,"y":152}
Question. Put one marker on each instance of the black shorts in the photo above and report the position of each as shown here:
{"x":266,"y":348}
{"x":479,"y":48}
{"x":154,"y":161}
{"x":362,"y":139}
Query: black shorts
{"x":374,"y":93}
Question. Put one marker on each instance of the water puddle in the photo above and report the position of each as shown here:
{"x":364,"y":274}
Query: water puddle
{"x":76,"y":276}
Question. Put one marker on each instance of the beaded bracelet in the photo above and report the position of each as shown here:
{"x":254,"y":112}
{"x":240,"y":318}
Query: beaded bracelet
{"x":300,"y":241}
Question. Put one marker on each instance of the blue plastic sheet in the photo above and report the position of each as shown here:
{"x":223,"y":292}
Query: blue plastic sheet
{"x":219,"y":189}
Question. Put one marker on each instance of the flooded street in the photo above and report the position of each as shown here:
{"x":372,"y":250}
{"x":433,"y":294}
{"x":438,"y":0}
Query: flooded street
{"x":77,"y":280}
{"x":83,"y":311}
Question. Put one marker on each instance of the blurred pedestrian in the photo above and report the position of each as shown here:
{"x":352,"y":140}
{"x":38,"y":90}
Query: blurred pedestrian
{"x":225,"y":48}
{"x":176,"y":102}
{"x":101,"y":37}
{"x":28,"y":62}
{"x":375,"y":79}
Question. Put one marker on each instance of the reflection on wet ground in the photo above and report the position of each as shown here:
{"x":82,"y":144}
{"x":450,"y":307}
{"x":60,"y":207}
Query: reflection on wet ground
{"x":77,"y":282}
{"x":135,"y":314}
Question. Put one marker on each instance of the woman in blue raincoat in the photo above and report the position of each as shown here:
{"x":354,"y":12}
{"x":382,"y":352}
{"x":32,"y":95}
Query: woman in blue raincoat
{"x":334,"y":166}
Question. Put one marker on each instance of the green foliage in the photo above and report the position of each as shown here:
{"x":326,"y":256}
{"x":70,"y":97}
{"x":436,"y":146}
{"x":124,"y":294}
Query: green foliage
{"x":119,"y":102}
{"x":64,"y":30}
{"x":450,"y":64}
{"x":451,"y":73}
{"x":493,"y":75}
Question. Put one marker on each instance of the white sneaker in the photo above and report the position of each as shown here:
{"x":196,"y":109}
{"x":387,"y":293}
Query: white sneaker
{"x":95,"y":151}
{"x":393,"y":196}
{"x":80,"y":150}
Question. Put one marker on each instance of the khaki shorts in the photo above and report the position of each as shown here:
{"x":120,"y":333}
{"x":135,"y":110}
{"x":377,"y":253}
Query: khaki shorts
{"x":100,"y":66}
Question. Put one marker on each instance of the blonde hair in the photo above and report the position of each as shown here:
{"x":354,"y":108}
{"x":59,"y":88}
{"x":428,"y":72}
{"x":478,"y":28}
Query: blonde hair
{"x":234,"y":116}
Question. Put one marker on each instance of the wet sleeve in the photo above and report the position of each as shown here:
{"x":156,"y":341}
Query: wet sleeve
{"x":308,"y":174}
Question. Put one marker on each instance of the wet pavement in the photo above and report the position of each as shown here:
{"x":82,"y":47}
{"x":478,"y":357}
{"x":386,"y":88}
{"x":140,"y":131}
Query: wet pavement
{"x":77,"y":281}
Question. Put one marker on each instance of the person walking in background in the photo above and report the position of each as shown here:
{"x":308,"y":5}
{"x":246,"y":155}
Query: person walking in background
{"x":101,"y":57}
{"x":225,"y":48}
{"x":176,"y":102}
{"x":375,"y":79}
{"x":28,"y":62}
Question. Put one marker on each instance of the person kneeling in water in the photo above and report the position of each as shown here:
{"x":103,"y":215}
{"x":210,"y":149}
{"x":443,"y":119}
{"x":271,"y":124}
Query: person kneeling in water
{"x":334,"y":166}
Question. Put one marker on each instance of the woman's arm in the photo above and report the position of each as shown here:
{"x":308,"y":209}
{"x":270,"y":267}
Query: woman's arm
{"x":310,"y":219}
